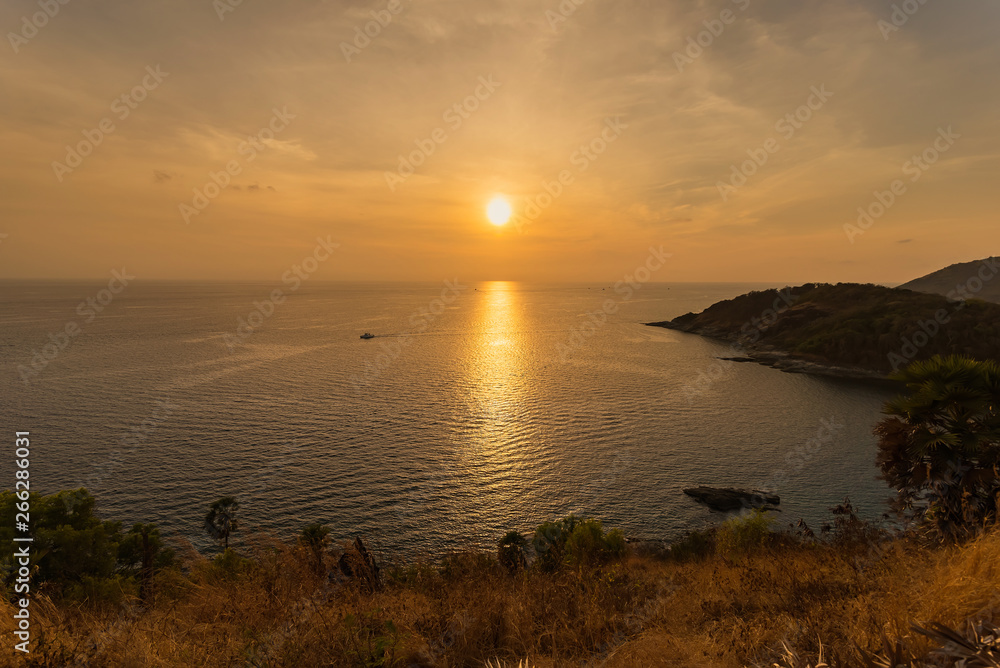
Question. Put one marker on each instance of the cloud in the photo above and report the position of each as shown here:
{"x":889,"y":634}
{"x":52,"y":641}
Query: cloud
{"x":354,"y":120}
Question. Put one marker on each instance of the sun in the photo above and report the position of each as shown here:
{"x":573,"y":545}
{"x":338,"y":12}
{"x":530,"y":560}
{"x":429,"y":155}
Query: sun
{"x":498,"y":211}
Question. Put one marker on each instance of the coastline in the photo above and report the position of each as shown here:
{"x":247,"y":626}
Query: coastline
{"x":780,"y":359}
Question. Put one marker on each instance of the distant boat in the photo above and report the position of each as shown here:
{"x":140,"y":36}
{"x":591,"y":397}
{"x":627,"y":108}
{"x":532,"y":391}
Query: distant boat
{"x":367,"y":335}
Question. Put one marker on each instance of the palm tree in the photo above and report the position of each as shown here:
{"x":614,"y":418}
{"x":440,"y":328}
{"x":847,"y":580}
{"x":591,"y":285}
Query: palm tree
{"x":221,"y":519}
{"x":940,"y":445}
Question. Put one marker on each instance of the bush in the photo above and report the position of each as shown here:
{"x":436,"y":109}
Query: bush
{"x":510,"y":552}
{"x":743,"y":534}
{"x":229,"y":565}
{"x":577,"y":542}
{"x":109,"y":591}
{"x":695,"y":545}
{"x":315,"y":538}
{"x":371,"y":640}
{"x":588,"y":544}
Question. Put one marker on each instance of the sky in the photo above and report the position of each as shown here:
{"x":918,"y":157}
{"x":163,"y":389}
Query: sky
{"x":116,"y":116}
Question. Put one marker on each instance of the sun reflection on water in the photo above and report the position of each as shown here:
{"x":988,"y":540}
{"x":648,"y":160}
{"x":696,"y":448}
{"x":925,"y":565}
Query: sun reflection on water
{"x":495,"y":377}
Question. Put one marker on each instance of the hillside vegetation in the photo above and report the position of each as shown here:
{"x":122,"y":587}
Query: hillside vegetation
{"x":737,"y":596}
{"x":866,"y":327}
{"x":958,"y":278}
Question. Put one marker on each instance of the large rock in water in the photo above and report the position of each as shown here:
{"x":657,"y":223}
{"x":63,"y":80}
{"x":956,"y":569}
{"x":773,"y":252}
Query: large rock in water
{"x":725,"y":499}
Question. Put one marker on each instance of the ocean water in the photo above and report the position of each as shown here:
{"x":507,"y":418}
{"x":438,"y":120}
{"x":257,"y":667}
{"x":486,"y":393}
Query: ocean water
{"x":477,"y":409}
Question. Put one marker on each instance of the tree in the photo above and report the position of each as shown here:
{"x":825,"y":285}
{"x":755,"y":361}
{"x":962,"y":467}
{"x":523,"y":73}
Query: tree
{"x":70,"y":542}
{"x":142,"y":547}
{"x":940,"y":445}
{"x":221,"y":520}
{"x":316,"y":538}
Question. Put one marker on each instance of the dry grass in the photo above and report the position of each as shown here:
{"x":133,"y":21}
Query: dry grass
{"x":466,"y":611}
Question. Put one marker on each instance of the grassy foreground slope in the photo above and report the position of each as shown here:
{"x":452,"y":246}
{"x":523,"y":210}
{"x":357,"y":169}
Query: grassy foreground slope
{"x":866,"y":327}
{"x":726,"y":603}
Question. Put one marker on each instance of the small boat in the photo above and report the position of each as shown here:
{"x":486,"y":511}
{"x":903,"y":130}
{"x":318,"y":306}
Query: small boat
{"x":367,"y":335}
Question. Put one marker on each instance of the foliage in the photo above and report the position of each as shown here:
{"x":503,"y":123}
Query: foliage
{"x":316,"y":539}
{"x":940,"y":446}
{"x":511,"y":552}
{"x":76,"y":554}
{"x":270,"y":609}
{"x":372,"y":642}
{"x":221,"y":520}
{"x":979,"y":648}
{"x":575,"y":541}
{"x":228,"y":565}
{"x":851,"y":325}
{"x":589,"y":544}
{"x":743,"y":534}
{"x":695,"y":545}
{"x":142,"y":551}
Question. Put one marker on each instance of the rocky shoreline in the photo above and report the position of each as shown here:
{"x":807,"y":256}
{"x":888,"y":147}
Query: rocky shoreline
{"x":778,"y":359}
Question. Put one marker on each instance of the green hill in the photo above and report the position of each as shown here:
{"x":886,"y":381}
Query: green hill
{"x":848,"y":330}
{"x":974,"y":278}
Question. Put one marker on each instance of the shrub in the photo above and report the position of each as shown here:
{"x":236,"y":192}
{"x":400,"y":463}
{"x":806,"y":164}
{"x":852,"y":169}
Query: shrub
{"x":575,"y":541}
{"x":745,"y":533}
{"x":510,"y":552}
{"x":109,"y":591}
{"x":695,"y":545}
{"x":372,"y":641}
{"x":315,"y":538}
{"x":228,"y":565}
{"x":587,"y":543}
{"x":550,"y":540}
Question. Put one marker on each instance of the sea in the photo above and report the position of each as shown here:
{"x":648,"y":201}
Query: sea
{"x":477,"y":408}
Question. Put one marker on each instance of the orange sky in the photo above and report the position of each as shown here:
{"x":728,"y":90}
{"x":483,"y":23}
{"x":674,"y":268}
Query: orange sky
{"x":665,"y":120}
